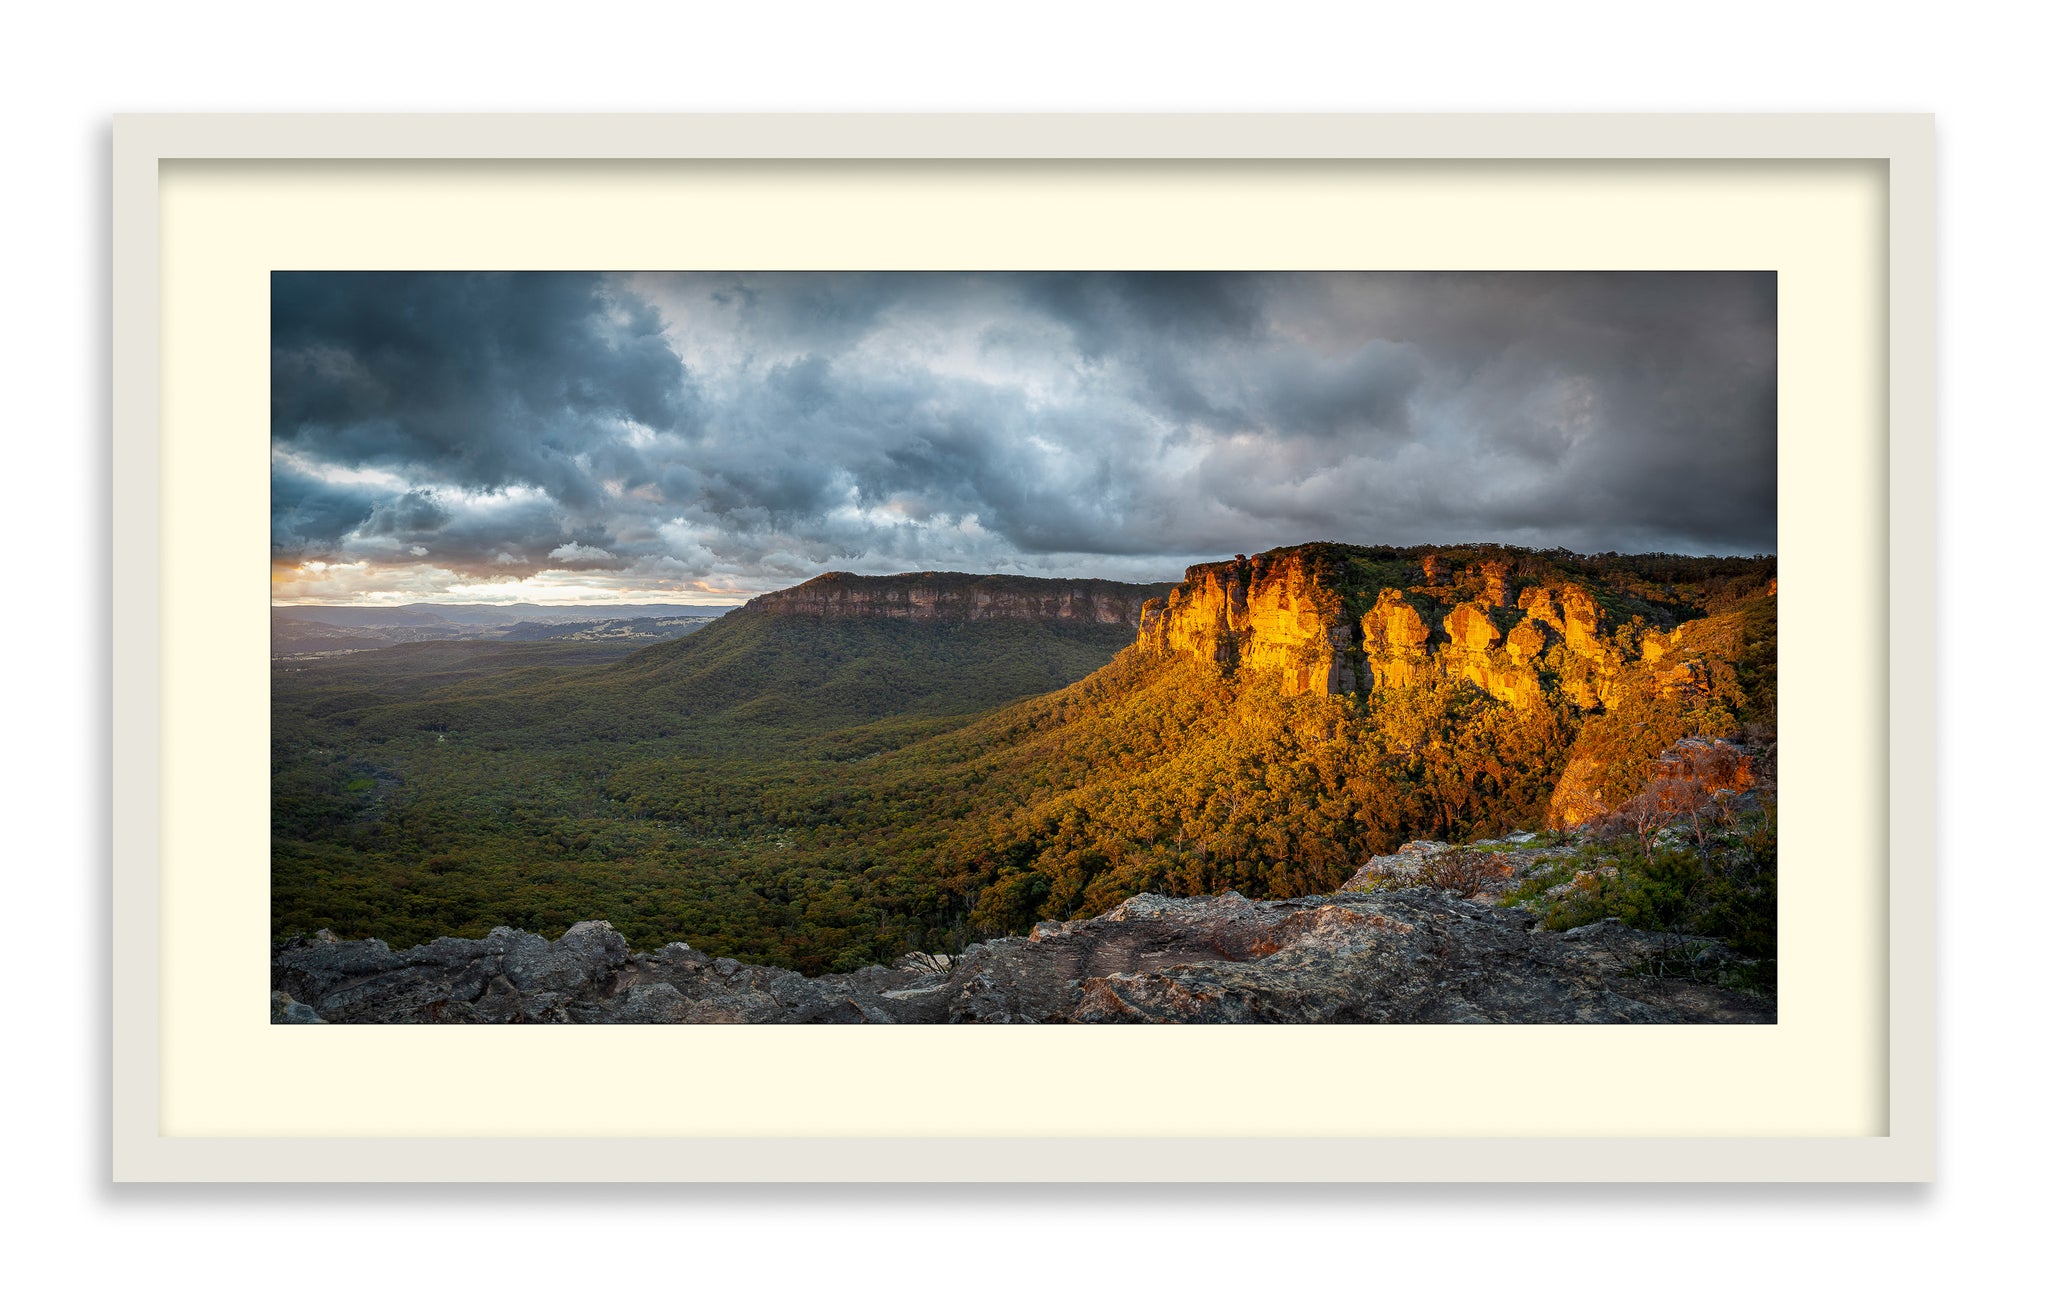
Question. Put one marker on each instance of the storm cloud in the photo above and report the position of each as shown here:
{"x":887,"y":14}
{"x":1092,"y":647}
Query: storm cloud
{"x":702,"y":437}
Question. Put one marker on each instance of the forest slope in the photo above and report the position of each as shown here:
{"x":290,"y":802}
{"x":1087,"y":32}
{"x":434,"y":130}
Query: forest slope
{"x":451,"y":787}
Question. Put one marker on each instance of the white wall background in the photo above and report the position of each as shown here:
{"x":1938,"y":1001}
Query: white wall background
{"x":68,"y":68}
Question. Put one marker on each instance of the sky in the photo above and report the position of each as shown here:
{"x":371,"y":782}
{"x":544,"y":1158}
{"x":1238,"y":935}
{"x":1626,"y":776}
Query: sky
{"x":700,"y":438}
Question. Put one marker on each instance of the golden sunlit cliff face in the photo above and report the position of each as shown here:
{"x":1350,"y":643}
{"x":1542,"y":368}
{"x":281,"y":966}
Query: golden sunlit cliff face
{"x":1605,"y":642}
{"x":1265,"y":613}
{"x":1528,"y":636}
{"x":1285,"y":611}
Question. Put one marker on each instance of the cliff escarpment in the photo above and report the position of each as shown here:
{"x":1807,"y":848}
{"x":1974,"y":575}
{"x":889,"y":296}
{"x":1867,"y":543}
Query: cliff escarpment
{"x":1624,"y":654}
{"x":1525,"y":627}
{"x":1277,"y":611}
{"x":937,"y":596}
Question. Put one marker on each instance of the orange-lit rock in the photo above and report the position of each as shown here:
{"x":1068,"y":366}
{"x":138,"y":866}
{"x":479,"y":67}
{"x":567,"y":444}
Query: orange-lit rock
{"x":1570,"y":611}
{"x":1259,"y":613}
{"x":1581,"y":682}
{"x":1686,"y":775}
{"x":1470,"y":628}
{"x":1395,"y":638}
{"x":1392,"y":626}
{"x":1581,"y":621}
{"x":1471,"y":655}
{"x":1518,"y":686}
{"x":1685,"y":678}
{"x":1527,"y":641}
{"x":1540,"y":602}
{"x":1712,"y":763}
{"x":1284,"y":611}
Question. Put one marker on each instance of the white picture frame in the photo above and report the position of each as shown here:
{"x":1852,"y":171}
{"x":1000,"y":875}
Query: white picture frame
{"x":191,"y":1061}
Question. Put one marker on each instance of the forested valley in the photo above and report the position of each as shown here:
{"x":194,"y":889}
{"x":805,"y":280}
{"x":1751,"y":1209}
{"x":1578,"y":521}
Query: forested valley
{"x":823,"y":792}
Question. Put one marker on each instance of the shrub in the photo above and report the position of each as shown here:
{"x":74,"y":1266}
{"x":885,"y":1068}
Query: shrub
{"x":1462,"y":872}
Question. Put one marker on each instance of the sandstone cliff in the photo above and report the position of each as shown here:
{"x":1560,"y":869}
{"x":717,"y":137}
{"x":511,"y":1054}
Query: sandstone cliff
{"x":1270,"y":612}
{"x":1396,"y":640}
{"x":1330,"y":618}
{"x":947,"y":595}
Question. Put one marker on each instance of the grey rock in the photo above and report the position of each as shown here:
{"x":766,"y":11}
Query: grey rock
{"x":1592,"y":930}
{"x":1411,"y":956}
{"x":653,"y":1004}
{"x":583,"y":957}
{"x":285,"y":1010}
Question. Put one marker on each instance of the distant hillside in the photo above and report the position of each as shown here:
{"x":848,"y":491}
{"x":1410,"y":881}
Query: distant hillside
{"x":513,"y":795}
{"x":768,"y":670}
{"x":760,"y":671}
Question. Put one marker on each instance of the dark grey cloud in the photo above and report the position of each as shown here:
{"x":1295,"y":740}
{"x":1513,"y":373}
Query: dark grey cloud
{"x":311,"y":516}
{"x":484,"y":380}
{"x":741,"y":431}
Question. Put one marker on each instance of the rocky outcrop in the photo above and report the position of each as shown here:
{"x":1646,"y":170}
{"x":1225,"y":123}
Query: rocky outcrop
{"x":951,"y":596}
{"x":1526,"y":642}
{"x":1334,"y":619}
{"x":1589,"y":666}
{"x":1396,"y":642}
{"x":1268,"y":612}
{"x":1687,"y":776}
{"x":1417,"y":954}
{"x":1567,"y":609}
{"x":1494,"y":643}
{"x":1471,"y":630}
{"x":1505,"y":672}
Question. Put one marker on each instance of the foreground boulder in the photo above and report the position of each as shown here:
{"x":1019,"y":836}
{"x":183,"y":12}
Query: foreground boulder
{"x":1413,"y":955}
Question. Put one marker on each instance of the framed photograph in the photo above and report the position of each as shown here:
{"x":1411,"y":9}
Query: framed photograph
{"x":678,"y":581}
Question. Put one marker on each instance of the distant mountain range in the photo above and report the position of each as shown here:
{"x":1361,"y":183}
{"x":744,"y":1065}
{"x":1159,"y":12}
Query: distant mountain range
{"x":296,"y":631}
{"x":484,"y":613}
